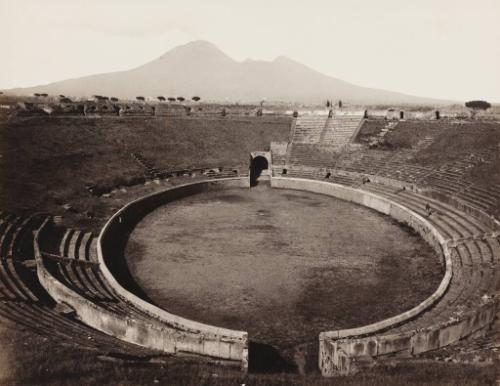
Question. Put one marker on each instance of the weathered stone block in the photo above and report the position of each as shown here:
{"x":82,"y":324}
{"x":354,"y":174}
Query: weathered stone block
{"x":388,"y":344}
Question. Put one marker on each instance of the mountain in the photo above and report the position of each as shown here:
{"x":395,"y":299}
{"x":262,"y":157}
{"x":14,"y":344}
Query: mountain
{"x":200,"y":68}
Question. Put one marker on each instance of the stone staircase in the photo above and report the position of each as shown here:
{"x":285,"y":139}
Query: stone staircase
{"x":340,"y":130}
{"x":308,"y":128}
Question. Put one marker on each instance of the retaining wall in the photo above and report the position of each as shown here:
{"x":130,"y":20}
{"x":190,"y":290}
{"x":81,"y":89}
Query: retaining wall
{"x":208,"y":340}
{"x":163,"y":331}
{"x":341,"y":349}
{"x":127,"y":329}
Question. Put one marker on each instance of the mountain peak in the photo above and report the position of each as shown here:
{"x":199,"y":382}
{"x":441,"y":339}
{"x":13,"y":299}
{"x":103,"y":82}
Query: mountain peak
{"x":198,"y":45}
{"x":197,"y":49}
{"x":201,"y":68}
{"x":283,"y":59}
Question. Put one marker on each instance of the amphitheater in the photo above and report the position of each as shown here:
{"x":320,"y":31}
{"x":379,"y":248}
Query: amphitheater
{"x":76,"y":189}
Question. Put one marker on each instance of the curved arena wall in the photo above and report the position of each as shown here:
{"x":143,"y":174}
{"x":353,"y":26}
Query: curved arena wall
{"x":128,"y":329}
{"x":339,"y":349}
{"x":159,"y":329}
{"x":192,"y":337}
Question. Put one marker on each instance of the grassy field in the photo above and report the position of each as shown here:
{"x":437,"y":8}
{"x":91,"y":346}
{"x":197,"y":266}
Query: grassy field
{"x":46,"y":163}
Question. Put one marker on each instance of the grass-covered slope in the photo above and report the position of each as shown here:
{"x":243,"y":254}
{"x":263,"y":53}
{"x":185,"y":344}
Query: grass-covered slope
{"x":370,"y":129}
{"x":438,"y":142}
{"x":449,"y":143}
{"x":47,"y":162}
{"x":195,"y":142}
{"x":459,"y":140}
{"x":411,"y":134}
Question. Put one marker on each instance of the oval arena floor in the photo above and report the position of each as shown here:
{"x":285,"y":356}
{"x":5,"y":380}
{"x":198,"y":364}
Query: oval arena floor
{"x":283,"y":265}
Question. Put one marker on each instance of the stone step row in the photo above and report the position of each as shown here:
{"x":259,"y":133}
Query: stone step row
{"x":473,"y":267}
{"x":25,"y":304}
{"x":87,"y":280}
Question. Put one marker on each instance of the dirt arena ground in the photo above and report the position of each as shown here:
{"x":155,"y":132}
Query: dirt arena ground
{"x":283,"y":265}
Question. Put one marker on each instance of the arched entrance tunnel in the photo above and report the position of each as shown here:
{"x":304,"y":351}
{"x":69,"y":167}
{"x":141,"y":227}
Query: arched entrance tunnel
{"x":258,"y":166}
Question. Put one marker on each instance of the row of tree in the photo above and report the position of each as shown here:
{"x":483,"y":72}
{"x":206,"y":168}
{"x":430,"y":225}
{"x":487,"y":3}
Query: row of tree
{"x":171,"y":99}
{"x":475,"y":105}
{"x":139,"y":98}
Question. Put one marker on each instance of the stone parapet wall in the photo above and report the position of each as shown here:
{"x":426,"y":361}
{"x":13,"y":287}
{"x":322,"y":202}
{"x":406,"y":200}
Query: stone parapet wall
{"x":216,"y":342}
{"x":159,"y":329}
{"x":340,"y":350}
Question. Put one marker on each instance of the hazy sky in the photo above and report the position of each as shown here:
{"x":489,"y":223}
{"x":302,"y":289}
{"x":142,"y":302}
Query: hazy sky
{"x":437,"y":48}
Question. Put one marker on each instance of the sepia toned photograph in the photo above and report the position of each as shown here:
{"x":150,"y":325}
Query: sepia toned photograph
{"x":249,"y":193}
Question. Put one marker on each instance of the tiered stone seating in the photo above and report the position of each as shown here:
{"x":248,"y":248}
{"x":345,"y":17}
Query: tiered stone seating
{"x":369,"y":162}
{"x":494,"y":246}
{"x":309,"y":173}
{"x":460,"y":226}
{"x":403,"y":171}
{"x":312,"y":156}
{"x":308,"y":128}
{"x":317,"y":140}
{"x":458,"y":209}
{"x":9,"y":243}
{"x":427,"y":131}
{"x":25,"y":304}
{"x":467,"y":305}
{"x":81,"y":273}
{"x":223,"y":172}
{"x":216,"y":172}
{"x":468,"y":235}
{"x":340,"y":129}
{"x":449,"y":179}
{"x":479,"y":197}
{"x":467,"y":288}
{"x":71,"y":272}
{"x":380,"y":163}
{"x":343,"y":179}
{"x":475,"y":254}
{"x":328,"y":175}
{"x":445,"y":182}
{"x":459,"y":168}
